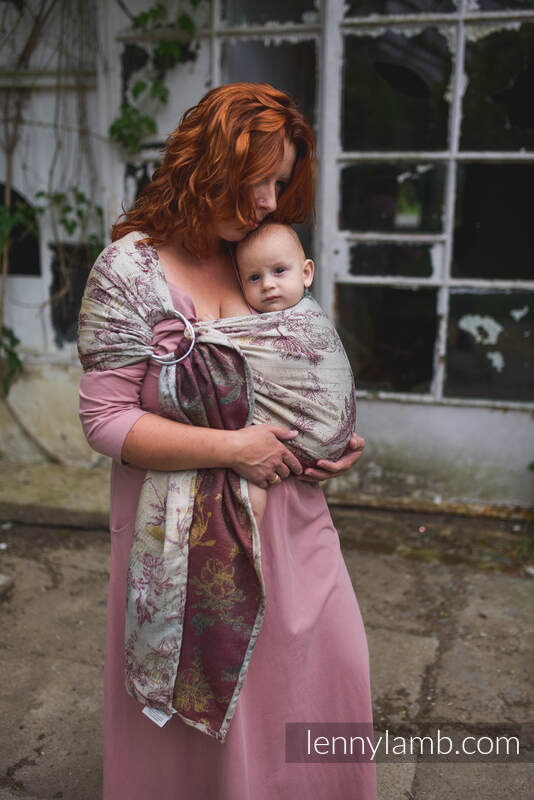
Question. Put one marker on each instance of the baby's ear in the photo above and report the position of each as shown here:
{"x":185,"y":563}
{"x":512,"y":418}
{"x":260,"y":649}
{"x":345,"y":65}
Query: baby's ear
{"x":307,"y":272}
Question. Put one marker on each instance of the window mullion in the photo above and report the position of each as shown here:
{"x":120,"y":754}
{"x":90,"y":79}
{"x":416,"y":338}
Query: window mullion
{"x":215,"y":43}
{"x":440,"y":351}
{"x":329,"y":123}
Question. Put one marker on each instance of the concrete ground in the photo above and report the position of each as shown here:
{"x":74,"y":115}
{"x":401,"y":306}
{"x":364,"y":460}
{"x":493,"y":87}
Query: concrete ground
{"x":447,"y":602}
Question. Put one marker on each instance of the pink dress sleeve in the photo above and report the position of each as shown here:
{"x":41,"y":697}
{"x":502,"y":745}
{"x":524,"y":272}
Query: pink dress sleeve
{"x":110,"y":405}
{"x":111,"y":401}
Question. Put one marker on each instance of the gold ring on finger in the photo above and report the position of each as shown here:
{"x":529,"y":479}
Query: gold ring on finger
{"x":274,"y":480}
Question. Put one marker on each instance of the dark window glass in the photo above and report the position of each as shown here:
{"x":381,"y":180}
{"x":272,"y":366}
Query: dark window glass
{"x":141,"y":175}
{"x":490,"y":349}
{"x":391,"y":259}
{"x":237,"y":12}
{"x":68,"y":284}
{"x":287,"y":66}
{"x":359,"y":8}
{"x":494,"y":234}
{"x":498,"y":5}
{"x":498,"y":111}
{"x":392,"y":197}
{"x":389,"y":336}
{"x":24,"y":258}
{"x":394,"y":90}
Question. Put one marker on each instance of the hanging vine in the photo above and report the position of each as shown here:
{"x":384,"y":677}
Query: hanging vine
{"x":173,"y":44}
{"x":74,"y":219}
{"x":59,"y":24}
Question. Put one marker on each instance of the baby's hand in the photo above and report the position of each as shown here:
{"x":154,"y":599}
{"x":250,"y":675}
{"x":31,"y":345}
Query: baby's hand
{"x":323,"y":470}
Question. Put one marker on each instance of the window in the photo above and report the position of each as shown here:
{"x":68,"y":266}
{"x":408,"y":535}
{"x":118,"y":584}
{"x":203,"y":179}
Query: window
{"x":430,"y":238}
{"x":425,"y":127}
{"x":24,"y":256}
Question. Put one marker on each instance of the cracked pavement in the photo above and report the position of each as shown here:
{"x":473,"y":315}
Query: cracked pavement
{"x":449,"y":622}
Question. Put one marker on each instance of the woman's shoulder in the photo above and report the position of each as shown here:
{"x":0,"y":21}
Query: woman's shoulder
{"x":132,"y":253}
{"x":125,"y":246}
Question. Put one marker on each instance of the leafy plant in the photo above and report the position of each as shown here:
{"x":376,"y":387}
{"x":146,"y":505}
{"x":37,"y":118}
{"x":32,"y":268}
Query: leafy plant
{"x":76,"y":212}
{"x":10,"y":363}
{"x":132,"y":125}
{"x":150,"y":17}
{"x":19,"y":216}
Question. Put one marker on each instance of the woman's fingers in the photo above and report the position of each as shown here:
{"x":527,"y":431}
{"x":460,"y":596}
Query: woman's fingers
{"x":289,"y":461}
{"x":282,"y":433}
{"x":259,"y":453}
{"x":283,"y":471}
{"x":325,"y":469}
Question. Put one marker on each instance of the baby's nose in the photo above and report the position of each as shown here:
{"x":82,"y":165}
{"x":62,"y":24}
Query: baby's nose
{"x":268,"y":281}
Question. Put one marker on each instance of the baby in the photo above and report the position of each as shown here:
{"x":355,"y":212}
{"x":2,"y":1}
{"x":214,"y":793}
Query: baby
{"x":274,"y":274}
{"x":273,"y":268}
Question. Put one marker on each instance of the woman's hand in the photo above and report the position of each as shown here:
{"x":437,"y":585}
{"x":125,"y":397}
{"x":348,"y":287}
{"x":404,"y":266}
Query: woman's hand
{"x":259,"y":455}
{"x":331,"y":469}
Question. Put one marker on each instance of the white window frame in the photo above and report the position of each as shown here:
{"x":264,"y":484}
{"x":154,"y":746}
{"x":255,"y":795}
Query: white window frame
{"x":335,"y":243}
{"x":332,"y":244}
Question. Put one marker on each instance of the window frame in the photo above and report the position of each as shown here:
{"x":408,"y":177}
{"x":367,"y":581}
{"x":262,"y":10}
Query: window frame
{"x":335,"y":243}
{"x":331,"y":243}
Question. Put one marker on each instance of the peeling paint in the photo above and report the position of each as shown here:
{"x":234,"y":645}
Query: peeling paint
{"x":497,"y":360}
{"x":476,"y":31}
{"x":274,"y":40}
{"x":484,"y":330}
{"x":518,"y":313}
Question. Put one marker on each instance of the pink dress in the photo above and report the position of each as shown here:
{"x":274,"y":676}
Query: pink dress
{"x":310,"y":663}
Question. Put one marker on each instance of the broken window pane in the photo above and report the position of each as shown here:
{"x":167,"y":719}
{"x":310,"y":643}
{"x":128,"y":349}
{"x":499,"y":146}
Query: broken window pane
{"x":69,"y":276}
{"x":393,"y":259}
{"x":238,"y":12}
{"x":498,"y":112}
{"x":394,"y":89}
{"x":24,"y":258}
{"x":288,"y":66}
{"x":359,"y":8}
{"x":392,"y":197}
{"x":389,"y":336}
{"x":490,"y":350}
{"x":494,"y":234}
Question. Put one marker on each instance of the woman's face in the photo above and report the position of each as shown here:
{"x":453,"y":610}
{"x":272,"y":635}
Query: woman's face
{"x":265,"y":196}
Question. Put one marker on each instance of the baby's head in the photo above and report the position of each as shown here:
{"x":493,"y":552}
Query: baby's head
{"x":273,"y":268}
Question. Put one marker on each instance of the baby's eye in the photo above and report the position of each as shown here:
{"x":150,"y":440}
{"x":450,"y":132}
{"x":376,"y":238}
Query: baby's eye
{"x":253,"y":278}
{"x":279,"y":270}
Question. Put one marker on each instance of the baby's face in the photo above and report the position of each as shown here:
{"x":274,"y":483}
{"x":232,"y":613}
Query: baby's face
{"x":274,"y":273}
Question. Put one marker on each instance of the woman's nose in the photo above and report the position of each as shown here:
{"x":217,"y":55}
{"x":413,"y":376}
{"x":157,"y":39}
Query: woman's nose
{"x":267,"y":199}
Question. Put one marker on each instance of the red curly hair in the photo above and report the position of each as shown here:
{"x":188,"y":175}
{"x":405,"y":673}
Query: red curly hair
{"x":231,"y":140}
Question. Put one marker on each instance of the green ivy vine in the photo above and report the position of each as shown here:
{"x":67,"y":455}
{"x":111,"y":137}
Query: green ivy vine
{"x":134,"y":124}
{"x":73,"y":210}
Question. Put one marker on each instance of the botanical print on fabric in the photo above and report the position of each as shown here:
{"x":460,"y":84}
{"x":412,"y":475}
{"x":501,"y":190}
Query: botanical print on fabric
{"x":196,"y":596}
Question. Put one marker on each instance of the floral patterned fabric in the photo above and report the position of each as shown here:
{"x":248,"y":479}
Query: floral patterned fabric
{"x":195,"y":597}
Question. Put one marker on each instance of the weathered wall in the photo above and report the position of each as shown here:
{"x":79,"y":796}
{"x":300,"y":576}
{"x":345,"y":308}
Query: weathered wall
{"x":39,"y":421}
{"x":415,"y":451}
{"x":443,"y":454}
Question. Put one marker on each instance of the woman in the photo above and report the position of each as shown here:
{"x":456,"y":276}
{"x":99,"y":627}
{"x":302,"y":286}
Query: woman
{"x":242,"y":154}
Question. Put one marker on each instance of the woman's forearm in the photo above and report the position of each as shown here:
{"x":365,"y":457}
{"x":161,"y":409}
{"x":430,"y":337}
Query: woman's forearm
{"x":155,"y":442}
